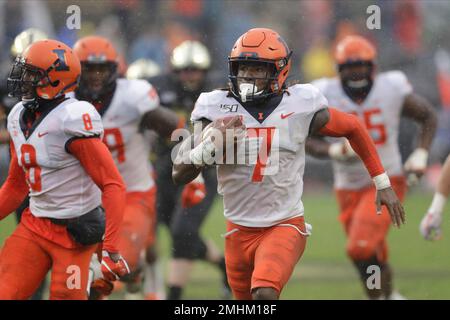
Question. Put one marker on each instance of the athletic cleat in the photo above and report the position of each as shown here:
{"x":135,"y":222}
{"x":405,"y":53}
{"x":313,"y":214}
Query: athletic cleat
{"x":395,"y":295}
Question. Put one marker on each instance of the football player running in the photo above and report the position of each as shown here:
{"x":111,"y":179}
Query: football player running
{"x":379,"y":100}
{"x":430,"y":226}
{"x":127,"y":107}
{"x":20,"y":43}
{"x":58,"y":157}
{"x":154,"y":281}
{"x":266,"y":231}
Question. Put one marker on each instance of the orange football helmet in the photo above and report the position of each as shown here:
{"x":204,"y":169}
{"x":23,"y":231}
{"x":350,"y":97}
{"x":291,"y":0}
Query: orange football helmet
{"x":355,"y":58}
{"x":55,"y":68}
{"x":95,"y":49}
{"x":96,"y":52}
{"x":265,"y":46}
{"x":354,"y":49}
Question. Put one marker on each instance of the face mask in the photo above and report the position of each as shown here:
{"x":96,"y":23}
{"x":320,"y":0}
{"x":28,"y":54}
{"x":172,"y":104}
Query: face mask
{"x":247,"y":90}
{"x":358,"y":86}
{"x":357,"y":89}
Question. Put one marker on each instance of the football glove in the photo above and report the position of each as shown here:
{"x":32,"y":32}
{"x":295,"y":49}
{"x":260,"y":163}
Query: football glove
{"x":342,"y":151}
{"x":430,"y":226}
{"x":193,"y":193}
{"x":415,"y":165}
{"x":113,"y":266}
{"x":100,"y":289}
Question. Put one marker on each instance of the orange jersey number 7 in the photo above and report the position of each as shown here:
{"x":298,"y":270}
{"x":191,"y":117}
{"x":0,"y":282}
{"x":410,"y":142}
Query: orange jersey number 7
{"x":266,"y":136}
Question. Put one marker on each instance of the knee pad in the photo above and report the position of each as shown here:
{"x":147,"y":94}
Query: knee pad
{"x":363,"y":266}
{"x":360,"y":250}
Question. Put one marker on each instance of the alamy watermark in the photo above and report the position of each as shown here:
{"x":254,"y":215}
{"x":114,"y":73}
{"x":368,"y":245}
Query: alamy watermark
{"x":257,"y":147}
{"x":374,"y":280}
{"x":373,"y":22}
{"x":73,"y":21}
{"x":73,"y":281}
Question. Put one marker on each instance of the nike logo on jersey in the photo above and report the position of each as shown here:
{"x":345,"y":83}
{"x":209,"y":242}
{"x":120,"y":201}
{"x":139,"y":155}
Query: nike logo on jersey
{"x":284,"y":116}
{"x":40,"y":135}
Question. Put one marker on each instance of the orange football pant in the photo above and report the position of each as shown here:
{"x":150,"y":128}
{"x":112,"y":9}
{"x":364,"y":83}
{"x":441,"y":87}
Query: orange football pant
{"x":262,"y":257}
{"x":26,"y":258}
{"x":138,"y":226}
{"x":366,"y":231}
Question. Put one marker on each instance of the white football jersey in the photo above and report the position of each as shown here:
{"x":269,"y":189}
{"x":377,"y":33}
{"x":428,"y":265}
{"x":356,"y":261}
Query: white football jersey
{"x":262,"y":193}
{"x":381,"y":113}
{"x":121,"y":120}
{"x":59,"y":185}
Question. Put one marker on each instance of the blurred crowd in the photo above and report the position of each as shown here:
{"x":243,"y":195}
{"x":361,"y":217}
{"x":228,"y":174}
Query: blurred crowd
{"x":413,"y":37}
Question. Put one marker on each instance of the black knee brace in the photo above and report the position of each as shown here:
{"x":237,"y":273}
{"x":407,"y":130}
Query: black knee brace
{"x":363,"y":267}
{"x":188,"y":246}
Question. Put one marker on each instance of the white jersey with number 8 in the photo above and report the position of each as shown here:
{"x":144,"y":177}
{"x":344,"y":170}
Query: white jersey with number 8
{"x":122,"y":119}
{"x":59,"y":186}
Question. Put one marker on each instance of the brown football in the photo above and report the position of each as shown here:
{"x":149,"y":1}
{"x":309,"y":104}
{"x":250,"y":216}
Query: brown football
{"x":222,"y":125}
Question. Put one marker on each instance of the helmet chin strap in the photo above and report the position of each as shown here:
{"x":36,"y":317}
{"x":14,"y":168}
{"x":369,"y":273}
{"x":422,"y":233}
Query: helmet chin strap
{"x":247,"y":90}
{"x":30,"y":103}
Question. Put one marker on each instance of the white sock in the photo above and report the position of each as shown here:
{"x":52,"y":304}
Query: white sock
{"x":154,"y":280}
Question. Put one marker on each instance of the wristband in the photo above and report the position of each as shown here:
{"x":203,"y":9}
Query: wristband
{"x":381,"y":181}
{"x":438,"y":203}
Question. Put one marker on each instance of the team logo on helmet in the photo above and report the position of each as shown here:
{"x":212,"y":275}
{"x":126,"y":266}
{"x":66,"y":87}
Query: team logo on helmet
{"x":46,"y":69}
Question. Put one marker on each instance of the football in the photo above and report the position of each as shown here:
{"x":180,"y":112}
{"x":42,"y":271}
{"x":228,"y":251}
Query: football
{"x":221,"y":130}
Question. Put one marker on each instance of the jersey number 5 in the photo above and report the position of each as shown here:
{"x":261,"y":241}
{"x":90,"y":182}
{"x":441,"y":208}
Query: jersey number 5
{"x":32,"y":170}
{"x":376,"y":127}
{"x":374,"y":124}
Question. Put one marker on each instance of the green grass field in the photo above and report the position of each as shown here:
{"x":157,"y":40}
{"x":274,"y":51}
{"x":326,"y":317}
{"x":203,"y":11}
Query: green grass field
{"x":422,"y":269}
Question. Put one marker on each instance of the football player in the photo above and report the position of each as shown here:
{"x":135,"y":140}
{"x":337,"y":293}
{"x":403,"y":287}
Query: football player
{"x":154,"y":282}
{"x":430,"y":226}
{"x":21,"y":42}
{"x":143,"y":69}
{"x":379,"y":100}
{"x":58,"y":157}
{"x":179,"y":89}
{"x":127,"y":108}
{"x":266,"y":231}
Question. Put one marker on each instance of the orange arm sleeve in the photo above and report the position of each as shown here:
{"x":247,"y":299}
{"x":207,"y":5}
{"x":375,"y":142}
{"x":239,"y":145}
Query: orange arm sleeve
{"x":96,"y":159}
{"x":15,"y":188}
{"x":342,"y":124}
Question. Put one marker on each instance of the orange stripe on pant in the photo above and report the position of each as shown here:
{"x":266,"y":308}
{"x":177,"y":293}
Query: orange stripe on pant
{"x":138,"y":225}
{"x":25,"y":259}
{"x":262,"y":257}
{"x":366,"y":231}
